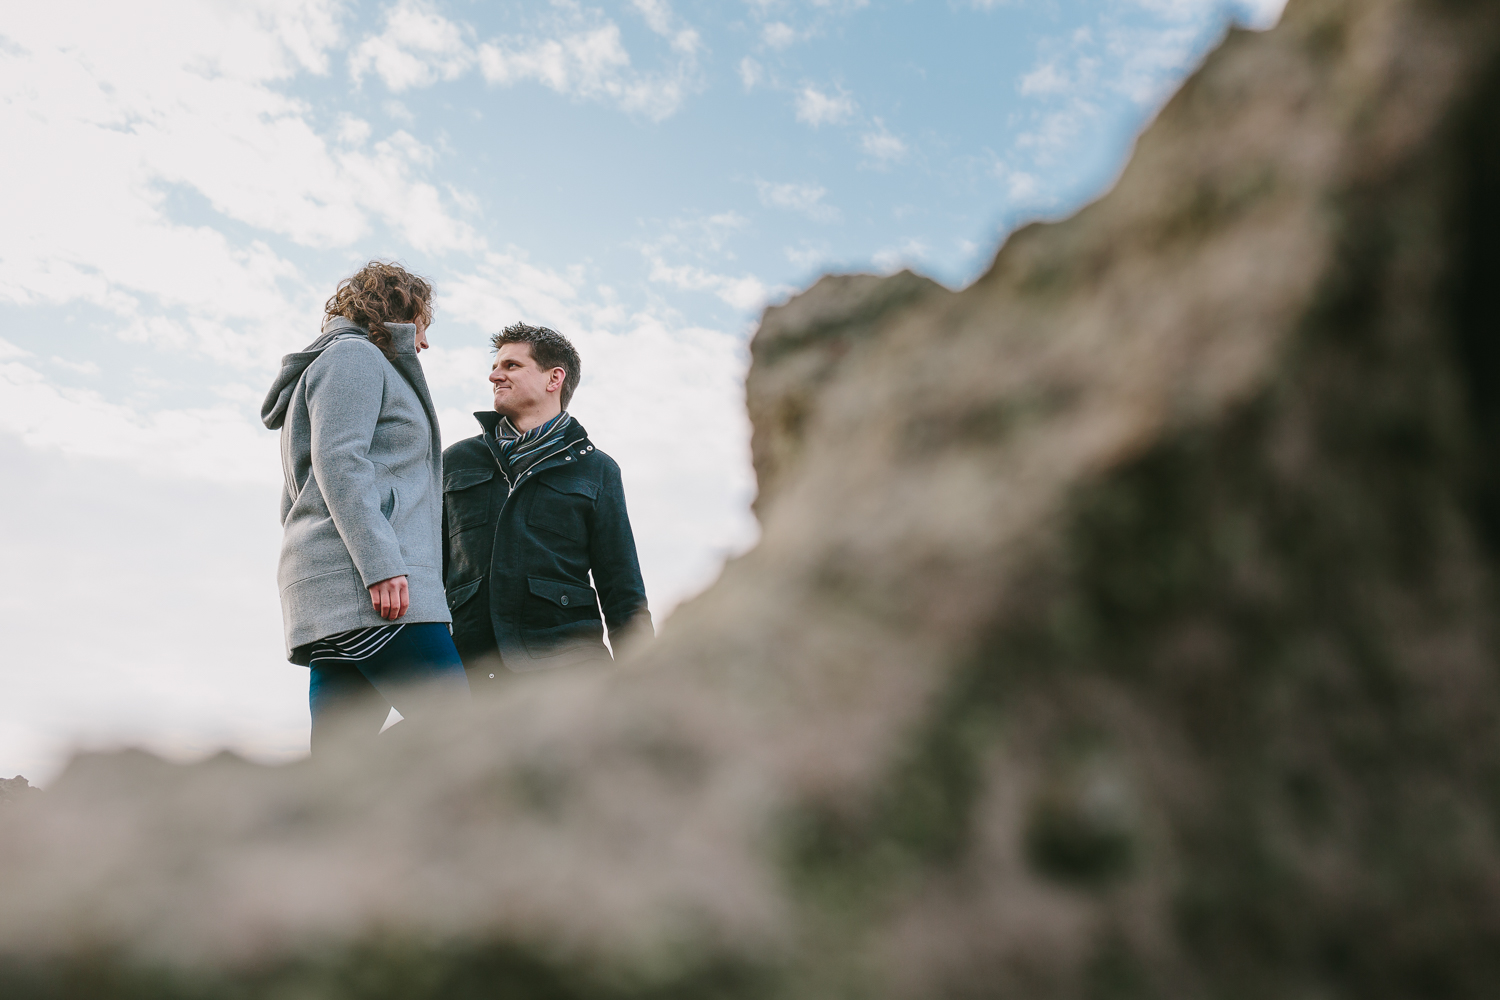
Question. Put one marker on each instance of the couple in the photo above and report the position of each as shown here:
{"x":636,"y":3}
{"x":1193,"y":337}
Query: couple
{"x":389,"y":540}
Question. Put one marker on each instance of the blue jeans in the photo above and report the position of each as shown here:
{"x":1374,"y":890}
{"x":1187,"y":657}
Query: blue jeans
{"x":416,"y":672}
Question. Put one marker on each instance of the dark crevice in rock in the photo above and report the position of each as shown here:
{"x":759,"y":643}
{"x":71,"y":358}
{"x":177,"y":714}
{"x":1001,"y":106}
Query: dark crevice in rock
{"x":1476,"y":221}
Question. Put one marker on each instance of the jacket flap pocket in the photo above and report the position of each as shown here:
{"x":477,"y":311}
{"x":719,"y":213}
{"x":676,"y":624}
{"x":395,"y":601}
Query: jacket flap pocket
{"x":566,"y":595}
{"x":567,"y":484}
{"x":464,"y":591}
{"x":462,"y":479}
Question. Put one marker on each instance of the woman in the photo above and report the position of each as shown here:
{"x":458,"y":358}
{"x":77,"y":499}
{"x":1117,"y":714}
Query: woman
{"x":361,"y":554}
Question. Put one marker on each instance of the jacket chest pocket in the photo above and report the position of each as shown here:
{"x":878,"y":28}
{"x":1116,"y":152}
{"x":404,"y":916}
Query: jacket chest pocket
{"x":466,"y":498}
{"x":563,"y":507}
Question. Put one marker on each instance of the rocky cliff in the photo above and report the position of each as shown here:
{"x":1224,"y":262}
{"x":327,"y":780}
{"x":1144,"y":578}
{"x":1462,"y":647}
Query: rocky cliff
{"x":1123,"y":625}
{"x":16,"y":789}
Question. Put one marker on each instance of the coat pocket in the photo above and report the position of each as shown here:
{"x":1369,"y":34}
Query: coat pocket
{"x":563,"y":507}
{"x":466,"y":498}
{"x":463,"y":592}
{"x":576,"y":642}
{"x":556,"y":602}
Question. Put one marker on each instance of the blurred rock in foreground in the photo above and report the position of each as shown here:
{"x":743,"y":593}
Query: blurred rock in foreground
{"x":16,"y":789}
{"x":1123,"y":626}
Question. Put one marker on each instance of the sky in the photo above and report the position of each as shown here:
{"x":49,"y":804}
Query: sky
{"x":186,"y":181}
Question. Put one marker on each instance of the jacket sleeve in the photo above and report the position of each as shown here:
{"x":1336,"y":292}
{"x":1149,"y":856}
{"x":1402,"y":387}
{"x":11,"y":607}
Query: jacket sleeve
{"x":345,"y":390}
{"x":617,"y":570}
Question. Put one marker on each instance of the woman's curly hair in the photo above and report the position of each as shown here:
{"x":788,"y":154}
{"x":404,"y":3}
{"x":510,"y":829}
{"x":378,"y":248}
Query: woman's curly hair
{"x":382,"y":292}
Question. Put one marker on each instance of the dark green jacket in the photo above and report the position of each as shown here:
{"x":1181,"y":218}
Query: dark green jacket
{"x":517,"y":559}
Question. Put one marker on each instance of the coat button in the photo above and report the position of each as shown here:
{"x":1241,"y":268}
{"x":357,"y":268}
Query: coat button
{"x":564,"y":600}
{"x":492,"y":676}
{"x":567,"y":458}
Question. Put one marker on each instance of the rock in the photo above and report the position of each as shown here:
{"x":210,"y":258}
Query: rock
{"x":799,"y":347}
{"x":16,"y":789}
{"x":1123,"y":625}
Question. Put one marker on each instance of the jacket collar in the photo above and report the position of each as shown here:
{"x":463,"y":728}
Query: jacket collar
{"x":574,"y":445}
{"x":403,"y":335}
{"x":336,"y":328}
{"x":489,"y":420}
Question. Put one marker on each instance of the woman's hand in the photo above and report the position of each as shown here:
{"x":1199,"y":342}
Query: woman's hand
{"x":390,"y":598}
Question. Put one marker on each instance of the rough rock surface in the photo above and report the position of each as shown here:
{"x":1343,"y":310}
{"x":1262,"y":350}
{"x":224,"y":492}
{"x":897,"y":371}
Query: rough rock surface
{"x":16,"y":789}
{"x":1123,"y":625}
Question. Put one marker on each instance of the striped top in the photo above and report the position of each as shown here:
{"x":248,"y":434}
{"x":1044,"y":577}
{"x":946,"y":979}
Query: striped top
{"x":354,"y":645}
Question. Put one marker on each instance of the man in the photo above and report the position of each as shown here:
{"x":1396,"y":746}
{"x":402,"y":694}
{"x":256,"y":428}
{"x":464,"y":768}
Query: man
{"x":530,"y":509}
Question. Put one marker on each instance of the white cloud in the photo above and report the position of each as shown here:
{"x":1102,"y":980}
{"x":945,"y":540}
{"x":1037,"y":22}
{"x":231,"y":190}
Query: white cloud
{"x":1056,"y":131}
{"x":690,"y":253}
{"x":808,"y":256}
{"x":1045,"y":79}
{"x":163,"y":574}
{"x":784,"y":23}
{"x":1152,"y":61}
{"x":657,"y":14}
{"x":660,"y":19}
{"x":751,"y":73}
{"x":1022,"y":189}
{"x":778,"y":34}
{"x":804,"y":198}
{"x":219,"y":444}
{"x":1153,"y":58}
{"x":1136,"y":49}
{"x":816,"y":108}
{"x":883,"y":146}
{"x":119,"y":133}
{"x":590,"y":64}
{"x":78,"y":367}
{"x":909,"y":253}
{"x":1255,"y":13}
{"x":1069,"y":71}
{"x":587,"y":63}
{"x":418,"y":48}
{"x":578,"y":51}
{"x":712,"y":232}
{"x":744,"y":292}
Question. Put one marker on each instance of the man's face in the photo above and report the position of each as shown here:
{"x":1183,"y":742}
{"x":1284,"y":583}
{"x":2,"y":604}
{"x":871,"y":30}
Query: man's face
{"x":520,"y":384}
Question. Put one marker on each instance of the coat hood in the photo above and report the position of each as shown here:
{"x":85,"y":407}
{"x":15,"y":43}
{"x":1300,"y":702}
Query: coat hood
{"x":273,"y":410}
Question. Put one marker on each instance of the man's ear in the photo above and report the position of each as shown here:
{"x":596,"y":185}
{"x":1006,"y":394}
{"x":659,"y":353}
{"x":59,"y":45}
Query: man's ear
{"x":555,"y":383}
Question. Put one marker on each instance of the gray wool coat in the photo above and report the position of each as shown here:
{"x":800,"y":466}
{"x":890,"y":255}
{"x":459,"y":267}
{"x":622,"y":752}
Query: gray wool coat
{"x":363,"y":469}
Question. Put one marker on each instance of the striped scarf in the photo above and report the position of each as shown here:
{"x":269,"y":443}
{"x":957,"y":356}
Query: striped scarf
{"x":519,"y":452}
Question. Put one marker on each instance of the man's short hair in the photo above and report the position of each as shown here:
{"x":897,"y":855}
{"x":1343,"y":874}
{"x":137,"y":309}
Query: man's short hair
{"x":550,"y":349}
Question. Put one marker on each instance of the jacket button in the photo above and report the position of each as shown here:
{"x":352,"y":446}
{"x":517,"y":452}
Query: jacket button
{"x":567,"y":458}
{"x":564,"y":601}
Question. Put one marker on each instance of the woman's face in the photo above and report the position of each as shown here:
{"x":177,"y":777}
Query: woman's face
{"x":421,"y":334}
